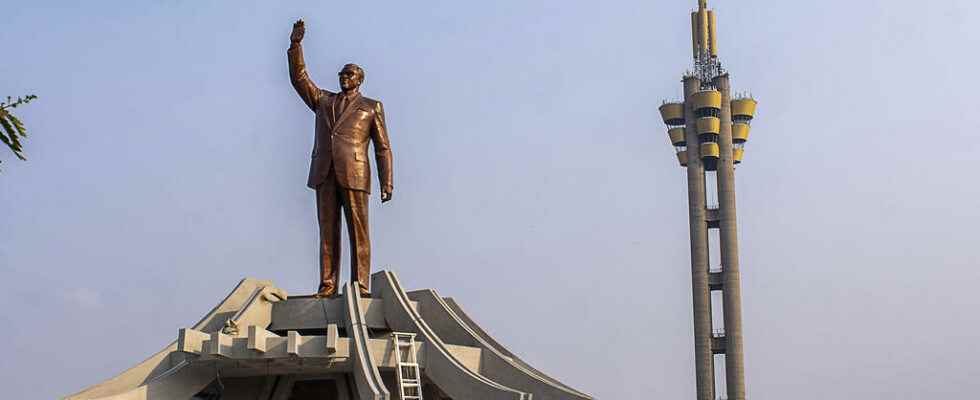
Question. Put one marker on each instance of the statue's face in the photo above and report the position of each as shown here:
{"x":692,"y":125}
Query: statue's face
{"x":349,"y":79}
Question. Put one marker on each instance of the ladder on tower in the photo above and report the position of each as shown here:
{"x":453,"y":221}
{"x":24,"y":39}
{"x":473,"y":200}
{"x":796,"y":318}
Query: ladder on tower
{"x":409,"y":378}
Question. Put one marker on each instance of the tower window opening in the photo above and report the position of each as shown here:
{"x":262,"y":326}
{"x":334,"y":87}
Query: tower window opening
{"x":717,"y":312}
{"x":721,"y":386}
{"x":742,"y":119}
{"x":711,"y":200}
{"x":714,"y":240}
{"x":708,"y":112}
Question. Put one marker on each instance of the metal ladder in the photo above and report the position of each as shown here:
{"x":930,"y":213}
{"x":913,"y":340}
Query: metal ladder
{"x":409,"y":378}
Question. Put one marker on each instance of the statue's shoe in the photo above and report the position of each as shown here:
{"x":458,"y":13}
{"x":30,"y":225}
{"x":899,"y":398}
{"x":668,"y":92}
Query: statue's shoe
{"x":326,"y":292}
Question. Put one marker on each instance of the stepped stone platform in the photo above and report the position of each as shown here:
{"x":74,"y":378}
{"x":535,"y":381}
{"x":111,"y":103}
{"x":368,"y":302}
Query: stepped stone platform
{"x":258,"y":343}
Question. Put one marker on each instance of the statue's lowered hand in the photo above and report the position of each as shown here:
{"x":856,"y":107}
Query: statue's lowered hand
{"x":385,"y":196}
{"x":299,"y":29}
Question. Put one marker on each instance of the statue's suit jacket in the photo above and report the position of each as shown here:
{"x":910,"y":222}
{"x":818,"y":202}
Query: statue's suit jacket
{"x":342,"y":140}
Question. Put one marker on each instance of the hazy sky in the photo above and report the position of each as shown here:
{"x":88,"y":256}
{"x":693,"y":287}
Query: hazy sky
{"x":534,"y":182}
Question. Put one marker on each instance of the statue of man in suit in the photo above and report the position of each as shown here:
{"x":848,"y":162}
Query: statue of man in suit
{"x":339,"y":172}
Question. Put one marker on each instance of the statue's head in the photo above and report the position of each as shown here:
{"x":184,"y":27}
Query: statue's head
{"x":351,"y":77}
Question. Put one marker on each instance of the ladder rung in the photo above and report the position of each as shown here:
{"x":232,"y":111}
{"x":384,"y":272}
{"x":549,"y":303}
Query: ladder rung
{"x":408,"y":364}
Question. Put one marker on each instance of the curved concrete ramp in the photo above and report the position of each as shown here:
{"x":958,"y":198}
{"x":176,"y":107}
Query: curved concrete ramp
{"x":140,"y":382}
{"x":366,"y":377}
{"x":499,"y":364}
{"x":451,"y":376}
{"x":181,"y":383}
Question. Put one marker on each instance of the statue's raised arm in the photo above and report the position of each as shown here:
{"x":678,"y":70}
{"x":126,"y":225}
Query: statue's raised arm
{"x":304,"y":86}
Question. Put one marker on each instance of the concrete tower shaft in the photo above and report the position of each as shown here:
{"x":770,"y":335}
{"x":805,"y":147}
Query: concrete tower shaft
{"x":728,"y":237}
{"x":703,"y":356}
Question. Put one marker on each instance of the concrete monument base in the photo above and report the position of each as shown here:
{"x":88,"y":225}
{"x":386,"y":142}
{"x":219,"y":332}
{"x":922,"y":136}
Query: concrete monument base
{"x":261,"y":344}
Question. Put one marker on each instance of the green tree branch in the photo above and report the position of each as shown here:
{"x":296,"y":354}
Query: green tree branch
{"x":12,"y":130}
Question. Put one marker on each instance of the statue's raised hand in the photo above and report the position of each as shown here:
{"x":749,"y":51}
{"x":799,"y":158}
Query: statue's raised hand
{"x":299,"y":29}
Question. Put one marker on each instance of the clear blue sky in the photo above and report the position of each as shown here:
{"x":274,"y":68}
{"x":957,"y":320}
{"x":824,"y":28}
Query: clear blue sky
{"x":533,"y":182}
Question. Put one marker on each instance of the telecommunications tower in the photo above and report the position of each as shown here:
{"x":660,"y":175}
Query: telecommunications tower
{"x":709,"y":130}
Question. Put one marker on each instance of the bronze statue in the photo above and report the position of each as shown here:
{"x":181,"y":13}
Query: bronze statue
{"x":339,"y":170}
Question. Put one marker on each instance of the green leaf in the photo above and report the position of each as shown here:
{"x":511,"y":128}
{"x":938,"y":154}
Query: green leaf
{"x":12,"y":127}
{"x":18,"y":125}
{"x":3,"y":138}
{"x":12,"y":133}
